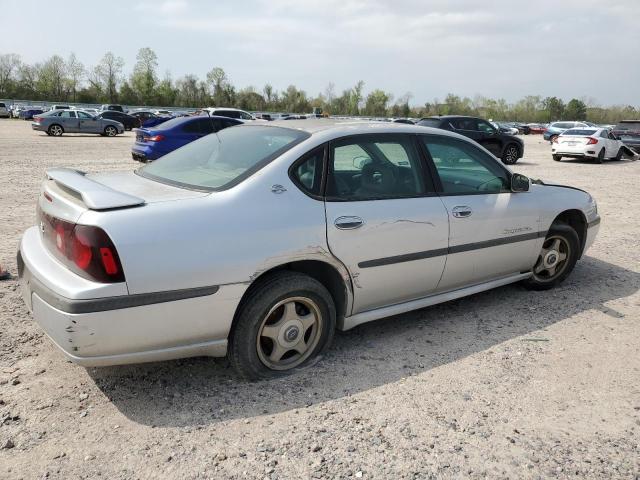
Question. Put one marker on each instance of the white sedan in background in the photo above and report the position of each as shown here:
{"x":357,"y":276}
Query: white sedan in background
{"x":584,"y":142}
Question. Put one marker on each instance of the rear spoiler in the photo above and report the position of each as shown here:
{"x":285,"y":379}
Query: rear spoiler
{"x":95,"y":195}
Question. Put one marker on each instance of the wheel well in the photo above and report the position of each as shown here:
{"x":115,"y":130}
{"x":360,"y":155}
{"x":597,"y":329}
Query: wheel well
{"x":576,"y":220}
{"x":326,"y":274}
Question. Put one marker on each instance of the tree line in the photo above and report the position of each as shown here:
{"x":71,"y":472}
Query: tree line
{"x":67,"y":80}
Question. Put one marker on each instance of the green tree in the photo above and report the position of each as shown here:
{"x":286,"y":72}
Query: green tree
{"x":166,"y":92}
{"x":9,"y":66}
{"x":554,"y":107}
{"x":376,"y":103}
{"x":575,"y":110}
{"x":108,"y":73}
{"x":144,"y":78}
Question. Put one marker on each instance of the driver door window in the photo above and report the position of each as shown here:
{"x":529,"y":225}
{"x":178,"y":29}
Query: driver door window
{"x":485,"y":127}
{"x":464,"y":169}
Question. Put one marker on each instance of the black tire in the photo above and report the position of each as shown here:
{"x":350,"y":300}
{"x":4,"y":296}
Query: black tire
{"x":510,"y":154}
{"x":253,"y":316}
{"x":552,"y":138}
{"x":600,"y":157}
{"x":557,"y":158}
{"x":620,"y":154}
{"x":540,"y":281}
{"x":55,"y":130}
{"x":110,"y":131}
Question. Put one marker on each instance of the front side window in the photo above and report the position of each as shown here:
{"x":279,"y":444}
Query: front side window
{"x":216,"y":162}
{"x":83,"y":115}
{"x":370,"y":167}
{"x":465,"y":169}
{"x":245,"y":116}
{"x":485,"y":127}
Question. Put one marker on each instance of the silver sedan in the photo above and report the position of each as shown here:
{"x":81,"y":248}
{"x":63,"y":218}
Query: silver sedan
{"x":260,"y":241}
{"x":57,"y":122}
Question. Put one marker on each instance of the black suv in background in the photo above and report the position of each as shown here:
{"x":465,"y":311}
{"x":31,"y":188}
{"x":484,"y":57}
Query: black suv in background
{"x":629,"y":132}
{"x":504,"y":146}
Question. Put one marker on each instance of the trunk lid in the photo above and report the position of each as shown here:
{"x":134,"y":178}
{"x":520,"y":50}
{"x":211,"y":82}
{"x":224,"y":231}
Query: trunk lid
{"x":67,"y":193}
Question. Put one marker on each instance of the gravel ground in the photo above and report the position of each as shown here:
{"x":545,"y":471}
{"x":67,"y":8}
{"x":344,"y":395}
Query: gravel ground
{"x":505,"y":384}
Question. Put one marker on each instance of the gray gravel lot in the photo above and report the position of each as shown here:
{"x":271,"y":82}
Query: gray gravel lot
{"x":505,"y":384}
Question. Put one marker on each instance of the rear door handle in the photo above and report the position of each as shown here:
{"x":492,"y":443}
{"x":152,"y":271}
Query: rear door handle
{"x":462,"y":211}
{"x":348,"y":223}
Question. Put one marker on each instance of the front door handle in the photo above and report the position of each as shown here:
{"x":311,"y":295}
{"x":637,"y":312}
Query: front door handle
{"x":348,"y":223}
{"x":462,"y":211}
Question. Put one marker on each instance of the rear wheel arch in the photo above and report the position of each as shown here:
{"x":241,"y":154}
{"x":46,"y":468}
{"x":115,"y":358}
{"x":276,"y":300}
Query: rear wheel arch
{"x":576,"y":220}
{"x":325,"y":273}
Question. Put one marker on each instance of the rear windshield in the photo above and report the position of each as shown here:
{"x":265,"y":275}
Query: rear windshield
{"x":628,"y":126}
{"x":430,"y":122}
{"x":219,"y":161}
{"x":2,"y":105}
{"x":576,"y":132}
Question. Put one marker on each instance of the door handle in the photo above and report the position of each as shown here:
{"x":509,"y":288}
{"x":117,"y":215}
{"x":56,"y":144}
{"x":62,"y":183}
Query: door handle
{"x":348,"y":223}
{"x":462,"y":211}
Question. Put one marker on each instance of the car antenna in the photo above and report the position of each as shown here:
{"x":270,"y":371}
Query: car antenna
{"x":213,"y":125}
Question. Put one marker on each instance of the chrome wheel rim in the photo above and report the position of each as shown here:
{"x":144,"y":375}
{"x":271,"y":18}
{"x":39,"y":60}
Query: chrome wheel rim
{"x":512,"y":154}
{"x":56,"y":130}
{"x":111,"y":131}
{"x":552,"y":259}
{"x":289,"y":333}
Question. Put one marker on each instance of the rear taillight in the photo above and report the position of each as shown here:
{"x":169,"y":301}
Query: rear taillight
{"x":36,"y":119}
{"x":153,"y":138}
{"x":84,"y":249}
{"x":591,"y":141}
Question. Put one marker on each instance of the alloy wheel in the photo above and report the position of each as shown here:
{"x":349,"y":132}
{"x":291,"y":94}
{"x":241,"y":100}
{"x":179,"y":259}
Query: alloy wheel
{"x":511,"y":155}
{"x":111,"y":131}
{"x":56,"y":130}
{"x":289,"y":333}
{"x":552,"y":259}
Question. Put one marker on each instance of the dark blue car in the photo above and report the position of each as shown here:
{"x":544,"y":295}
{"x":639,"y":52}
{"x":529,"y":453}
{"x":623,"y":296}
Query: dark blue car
{"x":28,"y":113}
{"x":153,"y":143}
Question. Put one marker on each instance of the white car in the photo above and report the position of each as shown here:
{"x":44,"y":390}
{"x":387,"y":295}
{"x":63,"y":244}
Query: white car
{"x":230,"y":113}
{"x":598,"y":144}
{"x":4,"y":111}
{"x":259,"y":241}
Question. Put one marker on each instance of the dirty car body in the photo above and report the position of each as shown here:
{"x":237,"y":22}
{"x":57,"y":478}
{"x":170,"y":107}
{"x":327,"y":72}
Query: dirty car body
{"x":259,"y":240}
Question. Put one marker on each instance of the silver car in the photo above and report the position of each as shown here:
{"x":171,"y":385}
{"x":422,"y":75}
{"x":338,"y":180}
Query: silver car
{"x":57,"y":122}
{"x":259,"y":241}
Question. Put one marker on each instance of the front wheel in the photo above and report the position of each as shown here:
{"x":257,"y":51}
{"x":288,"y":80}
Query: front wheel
{"x":620,"y":154}
{"x":552,"y":138}
{"x":110,"y":131}
{"x":510,"y":154}
{"x":287,"y":320}
{"x":558,"y":256}
{"x":557,"y":158}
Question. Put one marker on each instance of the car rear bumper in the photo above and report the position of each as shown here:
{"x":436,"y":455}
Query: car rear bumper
{"x":38,"y":127}
{"x":144,"y":153}
{"x":122,"y":329}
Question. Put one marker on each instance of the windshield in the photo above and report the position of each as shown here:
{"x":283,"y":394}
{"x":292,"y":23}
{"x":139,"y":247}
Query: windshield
{"x":219,"y":161}
{"x":576,"y":132}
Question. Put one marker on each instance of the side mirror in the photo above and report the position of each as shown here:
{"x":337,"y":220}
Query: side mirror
{"x":520,"y":183}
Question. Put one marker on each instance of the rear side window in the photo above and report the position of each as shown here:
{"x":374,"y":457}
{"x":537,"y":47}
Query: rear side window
{"x":227,"y":113}
{"x":373,"y":167}
{"x":68,"y":114}
{"x":430,"y":122}
{"x":464,"y":123}
{"x":307,"y":172}
{"x":635,"y":126}
{"x":465,"y":169}
{"x":194,"y":126}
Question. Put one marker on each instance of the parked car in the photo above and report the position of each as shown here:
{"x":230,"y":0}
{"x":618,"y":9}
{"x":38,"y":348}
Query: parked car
{"x":506,"y":147}
{"x":230,"y":113}
{"x":111,"y":107}
{"x":55,"y":123}
{"x":598,"y":144}
{"x":59,"y":107}
{"x":149,"y":119}
{"x":629,"y":132}
{"x":129,"y":121}
{"x":15,"y":110}
{"x":247,"y":244}
{"x":556,"y":128}
{"x":523,"y":128}
{"x":153,"y":143}
{"x":29,"y":112}
{"x":408,"y":121}
{"x":4,"y":111}
{"x":505,"y":128}
{"x":536,"y":128}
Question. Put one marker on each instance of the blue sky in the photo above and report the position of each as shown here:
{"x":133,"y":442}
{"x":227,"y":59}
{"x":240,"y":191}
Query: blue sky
{"x":502,"y":49}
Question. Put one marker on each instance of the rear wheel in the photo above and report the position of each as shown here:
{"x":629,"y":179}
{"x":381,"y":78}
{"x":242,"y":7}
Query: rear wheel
{"x":288,"y":319}
{"x":558,"y":256}
{"x":511,"y":154}
{"x":55,"y":130}
{"x":557,"y":158}
{"x":600,"y":157}
{"x":110,"y":131}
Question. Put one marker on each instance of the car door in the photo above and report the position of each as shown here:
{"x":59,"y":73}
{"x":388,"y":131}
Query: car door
{"x":384,"y":221}
{"x":88,"y":123}
{"x":69,"y":121}
{"x":492,"y":232}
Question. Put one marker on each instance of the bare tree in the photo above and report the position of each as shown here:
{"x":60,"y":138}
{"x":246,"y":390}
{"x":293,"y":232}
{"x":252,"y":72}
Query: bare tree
{"x":9,"y":66}
{"x":109,"y":74}
{"x":75,"y":73}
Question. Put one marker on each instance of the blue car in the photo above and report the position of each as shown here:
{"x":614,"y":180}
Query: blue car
{"x":153,"y":143}
{"x":28,"y":113}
